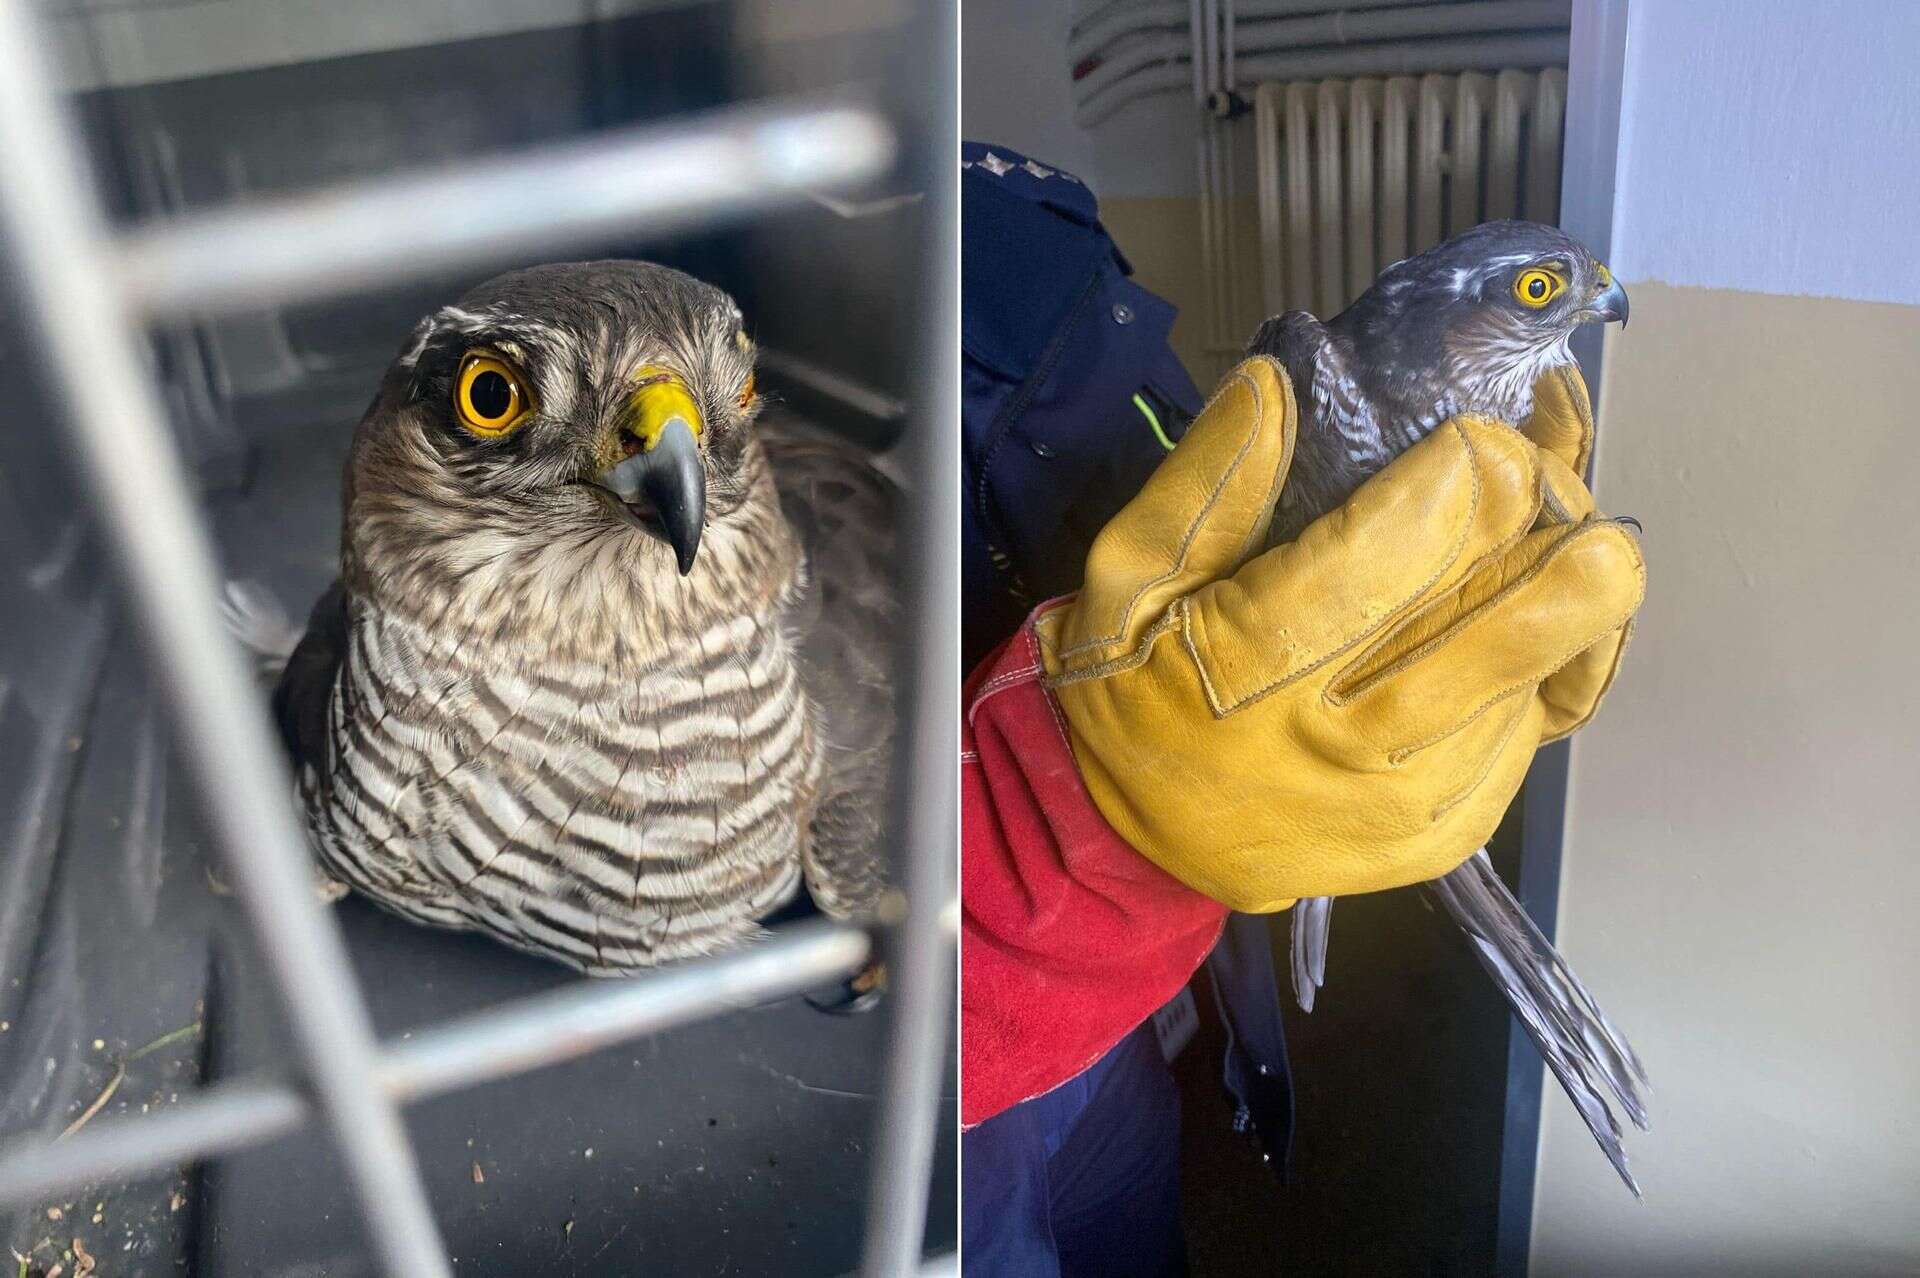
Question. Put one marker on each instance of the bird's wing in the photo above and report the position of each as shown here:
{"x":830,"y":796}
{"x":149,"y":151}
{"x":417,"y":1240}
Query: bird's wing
{"x":305,"y":690}
{"x":1586,"y":1053}
{"x":1312,"y":919}
{"x":847,"y":624}
{"x":1340,"y":443}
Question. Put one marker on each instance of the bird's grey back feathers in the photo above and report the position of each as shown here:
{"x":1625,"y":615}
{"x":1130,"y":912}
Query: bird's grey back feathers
{"x":1408,"y":355}
{"x":847,"y":619}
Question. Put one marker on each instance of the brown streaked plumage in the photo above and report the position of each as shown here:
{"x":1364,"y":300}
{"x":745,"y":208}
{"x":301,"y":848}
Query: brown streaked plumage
{"x":514,"y":714}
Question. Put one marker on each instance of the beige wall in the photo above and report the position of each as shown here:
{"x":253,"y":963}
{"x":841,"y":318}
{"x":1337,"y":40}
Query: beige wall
{"x":1742,"y":874}
{"x":1161,"y":237}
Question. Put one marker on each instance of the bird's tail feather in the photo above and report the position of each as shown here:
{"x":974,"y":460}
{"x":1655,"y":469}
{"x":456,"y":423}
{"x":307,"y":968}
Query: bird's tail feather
{"x":1586,"y":1053}
{"x":1312,"y":918}
{"x":256,"y":618}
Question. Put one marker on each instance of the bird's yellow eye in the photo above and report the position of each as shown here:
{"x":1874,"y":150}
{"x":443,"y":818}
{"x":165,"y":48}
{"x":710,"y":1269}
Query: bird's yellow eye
{"x":1536,"y":287}
{"x":489,"y":396}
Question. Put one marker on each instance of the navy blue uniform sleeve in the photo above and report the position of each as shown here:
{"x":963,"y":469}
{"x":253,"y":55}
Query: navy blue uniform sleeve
{"x":1071,"y":394}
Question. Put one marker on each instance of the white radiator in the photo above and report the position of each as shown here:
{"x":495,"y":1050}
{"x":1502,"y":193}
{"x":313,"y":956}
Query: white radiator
{"x":1354,"y":175}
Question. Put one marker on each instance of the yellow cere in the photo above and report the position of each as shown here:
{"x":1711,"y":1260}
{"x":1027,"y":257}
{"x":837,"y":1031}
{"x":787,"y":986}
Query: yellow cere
{"x":660,"y":396}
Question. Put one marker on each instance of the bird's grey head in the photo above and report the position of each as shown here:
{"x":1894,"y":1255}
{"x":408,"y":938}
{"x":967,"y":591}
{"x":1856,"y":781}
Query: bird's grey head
{"x":606,"y":405}
{"x":1483,"y":315}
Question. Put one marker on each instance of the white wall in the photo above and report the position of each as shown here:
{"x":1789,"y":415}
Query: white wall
{"x":1742,"y":874}
{"x":1016,"y":89}
{"x":1772,"y":145}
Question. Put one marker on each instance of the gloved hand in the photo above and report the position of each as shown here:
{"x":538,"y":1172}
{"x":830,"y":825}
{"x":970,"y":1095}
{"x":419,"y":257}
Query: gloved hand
{"x":1353,"y":710}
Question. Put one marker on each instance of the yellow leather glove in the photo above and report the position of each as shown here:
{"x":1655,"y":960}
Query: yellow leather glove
{"x":1354,"y":710}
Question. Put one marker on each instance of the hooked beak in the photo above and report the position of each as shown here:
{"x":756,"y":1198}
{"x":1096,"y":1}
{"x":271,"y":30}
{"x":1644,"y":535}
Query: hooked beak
{"x":1612,"y":304}
{"x":662,"y":474}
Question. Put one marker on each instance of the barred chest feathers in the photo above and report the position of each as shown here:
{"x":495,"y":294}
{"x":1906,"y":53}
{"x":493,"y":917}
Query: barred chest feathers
{"x":612,"y":814}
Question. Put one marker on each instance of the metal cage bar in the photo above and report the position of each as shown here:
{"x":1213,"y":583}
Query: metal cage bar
{"x":88,"y":293}
{"x":513,"y":1038}
{"x":919,"y":949}
{"x":636,"y":181}
{"x":87,"y":338}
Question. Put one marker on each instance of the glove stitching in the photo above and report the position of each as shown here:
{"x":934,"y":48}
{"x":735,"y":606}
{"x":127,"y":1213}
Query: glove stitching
{"x":1221,"y":710}
{"x":1583,"y":408}
{"x":1199,"y":521}
{"x":1053,"y":704}
{"x":1398,"y":625}
{"x":1486,"y":770}
{"x":1341,"y":696}
{"x":1559,"y":664}
{"x":999,"y":683}
{"x":1551,"y":500}
{"x":1606,"y":686}
{"x":1401,"y":755}
{"x":1135,"y":656}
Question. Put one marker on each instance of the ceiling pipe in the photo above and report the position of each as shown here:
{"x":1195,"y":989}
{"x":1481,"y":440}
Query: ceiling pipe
{"x":1101,"y":25}
{"x":1298,"y":35}
{"x":1411,"y":57}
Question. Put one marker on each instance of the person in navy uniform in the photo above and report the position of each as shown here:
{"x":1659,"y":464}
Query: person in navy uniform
{"x":1071,"y":396}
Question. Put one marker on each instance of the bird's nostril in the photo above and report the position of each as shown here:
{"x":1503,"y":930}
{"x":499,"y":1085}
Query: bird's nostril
{"x":629,"y":444}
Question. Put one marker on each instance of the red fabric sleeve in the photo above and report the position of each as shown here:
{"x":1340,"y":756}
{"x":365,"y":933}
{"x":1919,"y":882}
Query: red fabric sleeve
{"x":1068,"y":937}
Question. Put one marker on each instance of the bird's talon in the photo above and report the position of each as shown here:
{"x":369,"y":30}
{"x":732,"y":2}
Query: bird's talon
{"x":861,"y":993}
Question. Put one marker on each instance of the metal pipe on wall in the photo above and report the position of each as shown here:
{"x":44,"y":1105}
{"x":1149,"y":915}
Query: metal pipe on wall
{"x":1105,"y":24}
{"x":1332,"y":30}
{"x":1415,"y":57}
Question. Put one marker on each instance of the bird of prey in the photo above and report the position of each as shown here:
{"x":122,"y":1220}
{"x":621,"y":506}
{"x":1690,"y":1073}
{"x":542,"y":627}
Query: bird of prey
{"x":607,"y":671}
{"x":1466,"y":327}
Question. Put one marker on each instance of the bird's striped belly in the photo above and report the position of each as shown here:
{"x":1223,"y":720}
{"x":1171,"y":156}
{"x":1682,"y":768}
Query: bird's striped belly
{"x":609,"y":821}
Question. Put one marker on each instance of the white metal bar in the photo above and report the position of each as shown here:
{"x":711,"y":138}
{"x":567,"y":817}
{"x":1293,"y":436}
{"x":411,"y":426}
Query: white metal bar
{"x":514,"y":1037}
{"x":535,"y":1032}
{"x":1543,"y":149}
{"x":1429,"y":161}
{"x":1267,"y":161}
{"x":919,"y":951}
{"x":1470,"y":93}
{"x":1363,"y":104}
{"x":633,"y":183}
{"x":1511,"y":90}
{"x":1299,"y":199}
{"x":1328,"y":223}
{"x":85,"y":337}
{"x":1396,"y":158}
{"x":1210,"y":255}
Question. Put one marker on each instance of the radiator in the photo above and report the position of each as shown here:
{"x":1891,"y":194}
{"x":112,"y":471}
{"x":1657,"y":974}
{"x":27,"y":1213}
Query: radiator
{"x":1353,"y":175}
